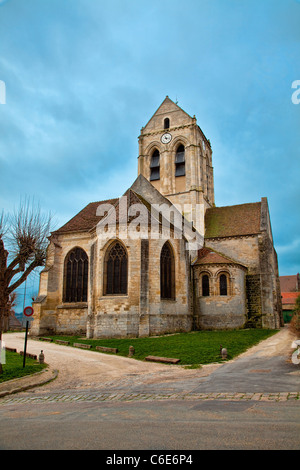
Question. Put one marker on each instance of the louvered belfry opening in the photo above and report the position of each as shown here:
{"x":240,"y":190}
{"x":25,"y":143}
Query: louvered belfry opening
{"x":167,"y":273}
{"x":155,"y":166}
{"x":180,"y":161}
{"x":116,"y":270}
{"x":76,"y":276}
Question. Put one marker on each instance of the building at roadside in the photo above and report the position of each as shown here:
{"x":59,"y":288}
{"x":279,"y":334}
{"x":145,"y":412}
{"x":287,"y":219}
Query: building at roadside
{"x":162,"y":258}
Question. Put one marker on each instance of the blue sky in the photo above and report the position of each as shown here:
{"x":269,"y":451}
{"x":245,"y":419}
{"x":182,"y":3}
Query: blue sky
{"x":83,"y":76}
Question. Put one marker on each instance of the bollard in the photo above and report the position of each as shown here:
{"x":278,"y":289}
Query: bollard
{"x":131,"y":351}
{"x":41,"y":357}
{"x":224,"y":353}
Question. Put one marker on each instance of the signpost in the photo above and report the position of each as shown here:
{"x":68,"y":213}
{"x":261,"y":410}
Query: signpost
{"x":28,"y":312}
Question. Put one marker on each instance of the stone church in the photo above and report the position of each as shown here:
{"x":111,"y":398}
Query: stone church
{"x":162,"y":258}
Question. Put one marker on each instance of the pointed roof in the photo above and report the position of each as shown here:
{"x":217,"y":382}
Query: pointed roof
{"x":86,"y":219}
{"x":168,"y":108}
{"x":125,"y":209}
{"x":209,"y":256}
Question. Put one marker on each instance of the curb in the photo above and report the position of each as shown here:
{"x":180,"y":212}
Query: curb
{"x":30,"y":381}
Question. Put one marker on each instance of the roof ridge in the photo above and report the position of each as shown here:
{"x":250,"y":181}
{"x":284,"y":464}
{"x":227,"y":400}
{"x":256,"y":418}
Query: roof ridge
{"x":234,"y":205}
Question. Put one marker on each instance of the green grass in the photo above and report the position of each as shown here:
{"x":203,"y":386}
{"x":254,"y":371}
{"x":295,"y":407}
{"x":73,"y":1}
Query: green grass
{"x":13,"y":367}
{"x":194,"y":348}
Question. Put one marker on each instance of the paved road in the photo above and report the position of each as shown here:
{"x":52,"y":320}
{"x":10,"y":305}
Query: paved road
{"x":151,"y":425}
{"x":105,"y":402}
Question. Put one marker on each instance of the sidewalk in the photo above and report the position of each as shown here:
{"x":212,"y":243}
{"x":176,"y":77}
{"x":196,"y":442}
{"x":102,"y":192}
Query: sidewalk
{"x":25,"y":383}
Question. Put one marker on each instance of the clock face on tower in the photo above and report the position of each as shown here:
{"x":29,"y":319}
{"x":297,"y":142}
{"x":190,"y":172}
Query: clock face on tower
{"x":166,"y":138}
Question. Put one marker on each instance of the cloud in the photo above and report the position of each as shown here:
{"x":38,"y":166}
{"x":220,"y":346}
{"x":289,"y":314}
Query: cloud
{"x":83,"y":77}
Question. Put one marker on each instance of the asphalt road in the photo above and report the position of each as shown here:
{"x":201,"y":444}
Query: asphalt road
{"x":251,"y":403}
{"x":154,"y":425}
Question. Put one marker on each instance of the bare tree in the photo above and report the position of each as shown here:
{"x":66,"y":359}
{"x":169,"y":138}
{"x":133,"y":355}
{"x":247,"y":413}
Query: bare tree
{"x":25,"y":234}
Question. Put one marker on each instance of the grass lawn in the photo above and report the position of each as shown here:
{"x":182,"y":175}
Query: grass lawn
{"x":13,"y":367}
{"x":194,"y":348}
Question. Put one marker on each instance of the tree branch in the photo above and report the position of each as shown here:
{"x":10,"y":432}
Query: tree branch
{"x":23,"y":278}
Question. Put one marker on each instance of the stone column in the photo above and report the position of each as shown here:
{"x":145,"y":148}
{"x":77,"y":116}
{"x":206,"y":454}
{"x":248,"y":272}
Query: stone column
{"x":144,"y":289}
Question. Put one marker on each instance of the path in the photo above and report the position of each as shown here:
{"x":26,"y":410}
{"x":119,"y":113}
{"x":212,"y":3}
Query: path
{"x":265,"y":371}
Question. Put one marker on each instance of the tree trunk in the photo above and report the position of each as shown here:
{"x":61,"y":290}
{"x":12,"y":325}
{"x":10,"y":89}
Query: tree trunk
{"x":4,"y":312}
{"x":1,"y":368}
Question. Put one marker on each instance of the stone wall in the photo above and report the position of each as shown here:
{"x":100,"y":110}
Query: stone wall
{"x":220,"y":311}
{"x":254,"y":306}
{"x":141,"y":312}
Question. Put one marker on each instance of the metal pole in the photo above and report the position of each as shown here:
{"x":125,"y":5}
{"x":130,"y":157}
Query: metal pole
{"x":25,"y":345}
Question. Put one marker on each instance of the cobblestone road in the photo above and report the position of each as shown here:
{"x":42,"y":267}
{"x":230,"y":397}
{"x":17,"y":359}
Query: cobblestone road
{"x":127,"y":397}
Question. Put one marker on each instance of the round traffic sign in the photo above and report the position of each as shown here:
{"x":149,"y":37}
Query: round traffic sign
{"x":28,"y":311}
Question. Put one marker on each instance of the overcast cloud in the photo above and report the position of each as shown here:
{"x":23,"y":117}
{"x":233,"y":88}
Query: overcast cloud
{"x":83,"y":76}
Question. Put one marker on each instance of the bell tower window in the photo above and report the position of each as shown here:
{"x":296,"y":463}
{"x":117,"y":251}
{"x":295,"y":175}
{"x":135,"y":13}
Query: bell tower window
{"x":180,"y":161}
{"x":166,"y":123}
{"x":155,"y":166}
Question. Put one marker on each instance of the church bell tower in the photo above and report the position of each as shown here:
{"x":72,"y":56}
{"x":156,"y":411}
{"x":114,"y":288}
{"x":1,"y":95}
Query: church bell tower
{"x":176,"y":157}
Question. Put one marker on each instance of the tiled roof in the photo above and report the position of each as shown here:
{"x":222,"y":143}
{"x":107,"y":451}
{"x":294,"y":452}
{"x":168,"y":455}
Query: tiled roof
{"x":289,"y":297}
{"x":210,"y":256}
{"x":86,"y":219}
{"x":289,"y":283}
{"x":229,"y":221}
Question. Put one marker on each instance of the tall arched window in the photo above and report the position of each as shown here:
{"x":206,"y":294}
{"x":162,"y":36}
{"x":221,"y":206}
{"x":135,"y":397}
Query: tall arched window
{"x":167,"y":272}
{"x":166,"y":123}
{"x":223,"y":284}
{"x":205,"y":285}
{"x":116,"y":266}
{"x":76,"y":276}
{"x":155,"y":166}
{"x":180,"y":161}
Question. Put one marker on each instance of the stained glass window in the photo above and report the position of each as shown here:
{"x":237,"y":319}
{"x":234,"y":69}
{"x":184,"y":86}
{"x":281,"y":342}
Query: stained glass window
{"x":116,"y":270}
{"x":76,"y":276}
{"x":167,"y":274}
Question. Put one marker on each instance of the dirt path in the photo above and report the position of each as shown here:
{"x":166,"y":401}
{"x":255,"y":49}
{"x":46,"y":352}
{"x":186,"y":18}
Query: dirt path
{"x":80,"y":369}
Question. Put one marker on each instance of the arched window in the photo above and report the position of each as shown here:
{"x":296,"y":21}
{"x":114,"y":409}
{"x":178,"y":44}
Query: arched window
{"x":180,"y":161}
{"x":155,"y":166}
{"x":166,"y":123}
{"x":116,"y":266}
{"x":76,"y":276}
{"x":223,"y":284}
{"x":205,"y":285}
{"x":167,"y":272}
